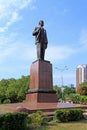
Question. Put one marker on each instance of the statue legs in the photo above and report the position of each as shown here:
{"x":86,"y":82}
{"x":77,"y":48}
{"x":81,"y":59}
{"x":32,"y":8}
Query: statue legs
{"x":40,"y":52}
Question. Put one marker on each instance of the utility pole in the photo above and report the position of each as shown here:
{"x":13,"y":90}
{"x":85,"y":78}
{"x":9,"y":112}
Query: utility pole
{"x":62,"y":70}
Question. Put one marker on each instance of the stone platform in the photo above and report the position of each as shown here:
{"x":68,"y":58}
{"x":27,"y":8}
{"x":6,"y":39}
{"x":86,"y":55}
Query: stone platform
{"x":47,"y":108}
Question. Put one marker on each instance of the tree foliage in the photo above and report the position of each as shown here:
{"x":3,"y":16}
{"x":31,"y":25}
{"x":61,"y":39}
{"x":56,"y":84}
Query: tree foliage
{"x":82,"y":89}
{"x":58,"y":91}
{"x":69,"y":90}
{"x":75,"y":98}
{"x":66,"y":92}
{"x":14,"y":89}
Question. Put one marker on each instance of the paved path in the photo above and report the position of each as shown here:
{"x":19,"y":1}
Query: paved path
{"x":4,"y":108}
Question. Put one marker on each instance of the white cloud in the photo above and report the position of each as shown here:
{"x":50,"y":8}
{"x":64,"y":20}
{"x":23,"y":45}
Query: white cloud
{"x":59,"y":52}
{"x":7,"y":46}
{"x":68,"y":77}
{"x":9,"y":12}
{"x":2,"y":29}
{"x":14,"y":18}
{"x":52,"y":52}
{"x":17,"y":49}
{"x":4,"y":54}
{"x":12,"y":47}
{"x":25,"y":52}
{"x":8,"y":23}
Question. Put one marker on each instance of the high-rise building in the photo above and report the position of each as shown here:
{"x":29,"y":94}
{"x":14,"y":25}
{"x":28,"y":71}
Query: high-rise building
{"x":81,"y":74}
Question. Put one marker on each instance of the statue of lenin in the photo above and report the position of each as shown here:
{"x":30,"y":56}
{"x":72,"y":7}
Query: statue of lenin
{"x":41,"y":40}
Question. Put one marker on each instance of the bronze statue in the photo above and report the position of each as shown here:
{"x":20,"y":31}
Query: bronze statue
{"x":40,"y":40}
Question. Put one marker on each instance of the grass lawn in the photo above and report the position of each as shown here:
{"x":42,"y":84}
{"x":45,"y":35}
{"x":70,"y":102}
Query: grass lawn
{"x":79,"y":125}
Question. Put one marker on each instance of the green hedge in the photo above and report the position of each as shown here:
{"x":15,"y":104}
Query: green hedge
{"x":65,"y":115}
{"x":13,"y":121}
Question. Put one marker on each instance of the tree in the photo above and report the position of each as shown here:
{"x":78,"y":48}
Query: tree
{"x":75,"y":98}
{"x":11,"y":93}
{"x":58,"y":91}
{"x":69,"y":90}
{"x":4,"y":83}
{"x":14,"y":89}
{"x":23,"y":85}
{"x":82,"y":89}
{"x":2,"y":94}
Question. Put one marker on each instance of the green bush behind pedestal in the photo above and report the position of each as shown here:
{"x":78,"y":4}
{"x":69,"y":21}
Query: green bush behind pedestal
{"x":65,"y":115}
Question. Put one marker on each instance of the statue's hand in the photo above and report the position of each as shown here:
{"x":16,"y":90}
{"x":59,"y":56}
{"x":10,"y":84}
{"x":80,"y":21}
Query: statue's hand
{"x":38,"y":29}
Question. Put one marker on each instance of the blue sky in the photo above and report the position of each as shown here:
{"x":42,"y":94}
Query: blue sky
{"x":66,"y":25}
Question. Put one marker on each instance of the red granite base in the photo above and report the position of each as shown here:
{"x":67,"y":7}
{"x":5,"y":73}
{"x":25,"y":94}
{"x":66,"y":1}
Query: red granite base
{"x":41,"y":98}
{"x":41,"y":95}
{"x":41,"y":83}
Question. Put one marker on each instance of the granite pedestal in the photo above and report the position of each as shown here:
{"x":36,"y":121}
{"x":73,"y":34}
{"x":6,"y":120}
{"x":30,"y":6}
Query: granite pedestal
{"x":41,"y":83}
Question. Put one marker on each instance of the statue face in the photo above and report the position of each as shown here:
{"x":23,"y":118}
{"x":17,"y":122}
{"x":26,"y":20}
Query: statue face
{"x":41,"y":23}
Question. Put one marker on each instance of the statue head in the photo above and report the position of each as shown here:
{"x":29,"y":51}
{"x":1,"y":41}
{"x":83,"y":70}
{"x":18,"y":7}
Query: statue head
{"x":41,"y":23}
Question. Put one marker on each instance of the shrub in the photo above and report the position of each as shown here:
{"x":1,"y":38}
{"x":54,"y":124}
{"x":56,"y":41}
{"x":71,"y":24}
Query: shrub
{"x":75,"y":98}
{"x":84,"y":100}
{"x":37,"y":119}
{"x":13,"y":121}
{"x":6,"y":101}
{"x":65,"y":115}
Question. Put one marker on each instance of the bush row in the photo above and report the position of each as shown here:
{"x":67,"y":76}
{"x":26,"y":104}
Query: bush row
{"x":13,"y":121}
{"x":22,"y":121}
{"x":65,"y":115}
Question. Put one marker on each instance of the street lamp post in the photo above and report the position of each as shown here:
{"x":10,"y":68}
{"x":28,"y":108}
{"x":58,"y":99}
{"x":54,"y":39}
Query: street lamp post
{"x":62,"y":69}
{"x":62,"y":89}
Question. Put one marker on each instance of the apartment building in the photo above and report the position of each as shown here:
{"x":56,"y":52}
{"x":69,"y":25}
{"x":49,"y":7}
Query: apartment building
{"x":81,"y":74}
